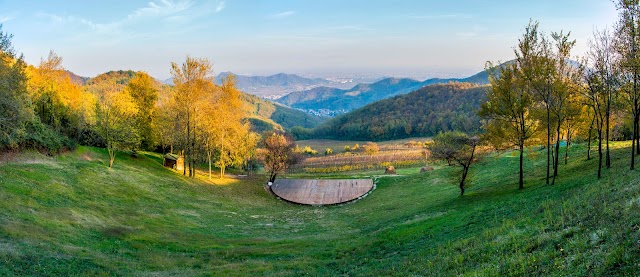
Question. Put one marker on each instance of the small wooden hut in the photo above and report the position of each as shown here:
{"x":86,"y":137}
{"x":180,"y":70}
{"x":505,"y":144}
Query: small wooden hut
{"x":174,"y":161}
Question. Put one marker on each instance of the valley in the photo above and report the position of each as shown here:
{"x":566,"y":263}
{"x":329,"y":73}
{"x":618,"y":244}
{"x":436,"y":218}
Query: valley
{"x":310,"y":138}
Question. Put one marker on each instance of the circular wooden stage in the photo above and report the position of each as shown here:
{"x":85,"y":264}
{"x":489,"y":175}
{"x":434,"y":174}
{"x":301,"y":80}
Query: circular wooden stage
{"x":321,"y":192}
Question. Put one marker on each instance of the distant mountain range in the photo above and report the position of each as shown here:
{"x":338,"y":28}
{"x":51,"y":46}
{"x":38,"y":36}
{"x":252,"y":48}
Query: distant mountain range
{"x":79,"y":80}
{"x":335,"y":100}
{"x":277,"y":85}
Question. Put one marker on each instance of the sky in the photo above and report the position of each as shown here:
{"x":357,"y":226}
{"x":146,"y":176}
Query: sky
{"x":327,"y":38}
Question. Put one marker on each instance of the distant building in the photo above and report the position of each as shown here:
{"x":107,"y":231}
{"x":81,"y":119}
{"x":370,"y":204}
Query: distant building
{"x":174,"y":161}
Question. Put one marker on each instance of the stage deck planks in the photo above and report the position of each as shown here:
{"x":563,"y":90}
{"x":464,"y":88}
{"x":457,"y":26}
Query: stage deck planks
{"x":321,"y":192}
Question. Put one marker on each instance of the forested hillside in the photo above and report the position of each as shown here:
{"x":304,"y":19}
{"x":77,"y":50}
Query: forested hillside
{"x":425,"y":112}
{"x":266,"y":115}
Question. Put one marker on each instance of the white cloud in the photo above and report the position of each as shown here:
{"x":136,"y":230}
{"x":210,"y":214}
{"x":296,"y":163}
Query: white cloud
{"x":162,"y":8}
{"x":4,"y":18}
{"x":441,"y":16}
{"x":283,"y":14}
{"x":220,"y":7}
{"x":169,"y":10}
{"x":74,"y":20}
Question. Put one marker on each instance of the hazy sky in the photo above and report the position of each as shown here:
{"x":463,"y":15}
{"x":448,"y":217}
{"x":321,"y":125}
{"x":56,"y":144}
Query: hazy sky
{"x":329,"y":37}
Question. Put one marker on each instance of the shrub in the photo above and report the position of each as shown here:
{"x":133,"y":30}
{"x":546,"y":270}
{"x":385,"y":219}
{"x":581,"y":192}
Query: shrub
{"x":43,"y":138}
{"x":371,"y":148}
{"x":309,"y":151}
{"x":328,"y":151}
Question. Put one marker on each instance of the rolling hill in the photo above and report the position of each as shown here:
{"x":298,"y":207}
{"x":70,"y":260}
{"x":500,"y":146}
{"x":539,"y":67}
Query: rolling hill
{"x":79,"y":80}
{"x":266,"y":115}
{"x":341,"y":101}
{"x":277,"y":85}
{"x":273,"y":85}
{"x":425,"y":112}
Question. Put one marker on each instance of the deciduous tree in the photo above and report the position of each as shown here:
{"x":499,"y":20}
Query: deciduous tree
{"x":193,"y":84}
{"x":626,"y":44}
{"x":508,"y":112}
{"x":278,"y":153}
{"x":15,"y":108}
{"x":601,"y":77}
{"x":116,"y":112}
{"x":457,"y":147}
{"x":144,"y":91}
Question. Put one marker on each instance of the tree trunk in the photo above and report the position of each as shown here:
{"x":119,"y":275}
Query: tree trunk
{"x":556,"y":155}
{"x":636,"y":112}
{"x":209,"y":158}
{"x":548,"y":144}
{"x":193,"y":148}
{"x":633,"y":145}
{"x":637,"y":134}
{"x":187,"y":144}
{"x":566,"y":149}
{"x":521,"y":175}
{"x":112,"y":155}
{"x":589,"y":139}
{"x":634,"y":134}
{"x":465,"y":170}
{"x":600,"y":152}
{"x":222,"y":161}
{"x":464,"y":176}
{"x":608,"y":117}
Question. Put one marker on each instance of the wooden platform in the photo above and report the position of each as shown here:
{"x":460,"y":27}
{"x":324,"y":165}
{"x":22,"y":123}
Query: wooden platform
{"x":321,"y":192}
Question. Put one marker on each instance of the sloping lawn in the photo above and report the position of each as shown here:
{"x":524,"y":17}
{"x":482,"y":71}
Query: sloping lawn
{"x":71,"y":214}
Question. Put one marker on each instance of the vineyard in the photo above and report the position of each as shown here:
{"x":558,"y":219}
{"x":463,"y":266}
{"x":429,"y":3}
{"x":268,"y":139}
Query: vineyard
{"x":351,"y":155}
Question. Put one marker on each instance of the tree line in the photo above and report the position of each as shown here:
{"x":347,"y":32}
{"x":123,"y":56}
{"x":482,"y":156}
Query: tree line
{"x":42,"y":107}
{"x":546,"y":97}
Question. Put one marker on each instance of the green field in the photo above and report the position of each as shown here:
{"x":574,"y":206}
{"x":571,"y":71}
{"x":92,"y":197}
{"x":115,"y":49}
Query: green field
{"x":70,"y":215}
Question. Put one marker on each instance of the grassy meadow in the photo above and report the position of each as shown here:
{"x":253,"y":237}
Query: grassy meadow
{"x":72,"y":215}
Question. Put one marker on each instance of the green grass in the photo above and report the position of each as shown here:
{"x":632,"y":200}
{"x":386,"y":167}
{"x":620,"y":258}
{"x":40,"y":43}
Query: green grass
{"x":70,"y":215}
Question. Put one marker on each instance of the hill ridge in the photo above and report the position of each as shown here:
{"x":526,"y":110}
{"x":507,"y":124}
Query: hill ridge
{"x":362,"y":94}
{"x":424,"y":112}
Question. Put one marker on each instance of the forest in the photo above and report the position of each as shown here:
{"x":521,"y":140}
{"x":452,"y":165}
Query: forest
{"x":43,"y":108}
{"x":422,"y":113}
